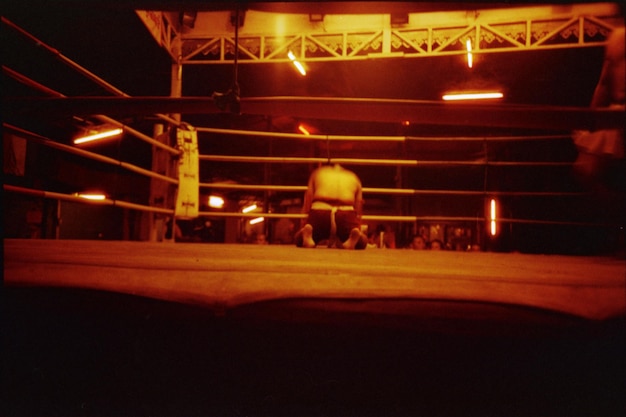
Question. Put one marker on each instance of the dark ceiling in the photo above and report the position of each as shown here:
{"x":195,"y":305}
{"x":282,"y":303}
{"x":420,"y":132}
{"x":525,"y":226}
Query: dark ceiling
{"x":108,"y":39}
{"x":114,"y":44}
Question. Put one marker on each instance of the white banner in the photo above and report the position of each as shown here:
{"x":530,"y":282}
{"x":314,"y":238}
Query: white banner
{"x":187,"y":199}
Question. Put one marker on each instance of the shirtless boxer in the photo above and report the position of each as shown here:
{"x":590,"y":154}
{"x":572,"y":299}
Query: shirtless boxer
{"x":334,"y":203}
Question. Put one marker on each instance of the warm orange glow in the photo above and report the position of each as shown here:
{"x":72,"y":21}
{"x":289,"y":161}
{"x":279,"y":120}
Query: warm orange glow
{"x":304,"y":130}
{"x":296,"y":63}
{"x":97,"y":136}
{"x":468,"y":45}
{"x":91,"y":196}
{"x":472,"y":96}
{"x":299,"y":67}
{"x":249,"y":208}
{"x":216,"y":201}
{"x":257,"y":220}
{"x":493,"y":217}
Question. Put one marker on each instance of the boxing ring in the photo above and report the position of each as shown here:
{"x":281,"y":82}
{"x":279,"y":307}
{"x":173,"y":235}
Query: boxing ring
{"x":222,"y":277}
{"x":257,"y":272}
{"x":148,"y":323}
{"x":225,"y":276}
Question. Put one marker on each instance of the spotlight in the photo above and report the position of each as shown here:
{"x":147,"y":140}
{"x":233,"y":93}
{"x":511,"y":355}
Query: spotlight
{"x":228,"y":100}
{"x":398,"y":19}
{"x":188,"y":19}
{"x":216,"y":201}
{"x":242,"y":17}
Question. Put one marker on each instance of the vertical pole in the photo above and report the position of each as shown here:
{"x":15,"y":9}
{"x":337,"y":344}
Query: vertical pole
{"x":157,"y":196}
{"x":176,"y":84}
{"x":57,"y":221}
{"x":386,"y":40}
{"x":176,"y":91}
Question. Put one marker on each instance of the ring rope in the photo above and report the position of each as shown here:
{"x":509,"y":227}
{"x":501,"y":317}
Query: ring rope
{"x":105,"y":119}
{"x":299,"y":136}
{"x":77,"y":67}
{"x":77,"y":199}
{"x":90,"y":155}
{"x":374,"y":162}
{"x":141,"y":207}
{"x":396,"y":191}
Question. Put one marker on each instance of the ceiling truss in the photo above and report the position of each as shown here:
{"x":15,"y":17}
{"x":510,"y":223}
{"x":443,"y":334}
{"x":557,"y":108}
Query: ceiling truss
{"x":398,"y":42}
{"x":488,"y":34}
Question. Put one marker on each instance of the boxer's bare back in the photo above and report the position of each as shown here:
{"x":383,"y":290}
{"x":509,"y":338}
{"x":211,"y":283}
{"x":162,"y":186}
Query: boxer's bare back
{"x":330,"y":186}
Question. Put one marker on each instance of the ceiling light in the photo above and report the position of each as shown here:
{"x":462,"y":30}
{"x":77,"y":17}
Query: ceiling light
{"x":303,"y":130}
{"x":300,"y":68}
{"x":257,"y":220}
{"x":228,"y":100}
{"x":249,"y":208}
{"x":91,"y":196}
{"x":468,"y":45}
{"x":472,"y":96}
{"x":99,"y":135}
{"x":297,"y":63}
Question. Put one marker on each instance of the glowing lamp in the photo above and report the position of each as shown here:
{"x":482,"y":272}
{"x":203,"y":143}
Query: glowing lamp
{"x":249,"y":208}
{"x":216,"y":201}
{"x":303,"y":130}
{"x":296,"y":63}
{"x":472,"y":96}
{"x":91,"y":196}
{"x":97,"y":136}
{"x":493,"y":217}
{"x":468,"y":46}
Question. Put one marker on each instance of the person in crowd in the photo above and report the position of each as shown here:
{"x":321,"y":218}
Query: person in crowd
{"x":373,"y":240}
{"x":284,"y":231}
{"x":436,"y":244}
{"x":261,"y":239}
{"x":333,"y":202}
{"x":384,"y":237}
{"x":418,"y":243}
{"x":388,"y":237}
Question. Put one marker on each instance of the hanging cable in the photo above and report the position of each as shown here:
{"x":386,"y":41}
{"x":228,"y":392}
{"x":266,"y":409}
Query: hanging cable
{"x":231,"y":99}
